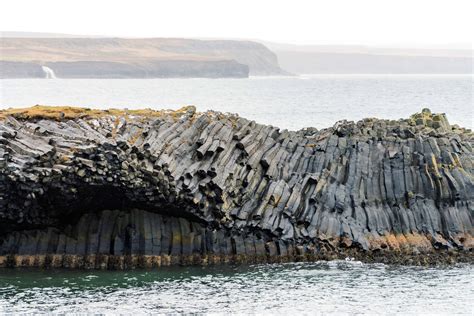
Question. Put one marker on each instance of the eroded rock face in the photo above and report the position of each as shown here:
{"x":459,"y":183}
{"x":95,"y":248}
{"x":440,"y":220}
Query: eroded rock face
{"x":122,"y":190}
{"x":135,"y":58}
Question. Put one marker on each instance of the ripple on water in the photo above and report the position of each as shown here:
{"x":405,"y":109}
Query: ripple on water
{"x":290,"y":102}
{"x":322,"y":287}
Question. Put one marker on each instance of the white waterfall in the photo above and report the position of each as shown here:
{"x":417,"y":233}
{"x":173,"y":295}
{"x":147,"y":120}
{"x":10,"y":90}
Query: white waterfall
{"x":48,"y":72}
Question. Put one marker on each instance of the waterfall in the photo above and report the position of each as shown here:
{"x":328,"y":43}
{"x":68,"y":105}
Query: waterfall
{"x":48,"y":72}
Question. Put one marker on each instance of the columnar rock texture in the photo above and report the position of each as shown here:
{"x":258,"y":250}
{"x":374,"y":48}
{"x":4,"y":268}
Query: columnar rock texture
{"x":112,"y":189}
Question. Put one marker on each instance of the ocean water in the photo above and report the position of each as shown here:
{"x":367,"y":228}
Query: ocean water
{"x":286,"y":102}
{"x":337,"y":287}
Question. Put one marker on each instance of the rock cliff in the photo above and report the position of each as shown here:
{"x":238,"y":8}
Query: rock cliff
{"x":135,"y":58}
{"x":13,"y":70}
{"x":116,"y":189}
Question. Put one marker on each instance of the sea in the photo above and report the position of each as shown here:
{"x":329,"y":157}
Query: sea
{"x":323,"y":288}
{"x":286,"y":102}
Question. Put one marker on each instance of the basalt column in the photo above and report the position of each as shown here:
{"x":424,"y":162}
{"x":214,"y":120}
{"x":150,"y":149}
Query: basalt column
{"x":117,"y":189}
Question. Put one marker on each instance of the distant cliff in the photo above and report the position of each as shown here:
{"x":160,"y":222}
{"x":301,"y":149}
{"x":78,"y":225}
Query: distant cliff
{"x":359,"y":59}
{"x":134,"y":58}
{"x":341,"y":63}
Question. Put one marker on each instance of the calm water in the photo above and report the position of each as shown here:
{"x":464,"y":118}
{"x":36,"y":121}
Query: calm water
{"x":320,"y":288}
{"x":336,"y":287}
{"x":292,"y":103}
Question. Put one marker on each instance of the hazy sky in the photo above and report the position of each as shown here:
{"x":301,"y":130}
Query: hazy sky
{"x":372,"y":22}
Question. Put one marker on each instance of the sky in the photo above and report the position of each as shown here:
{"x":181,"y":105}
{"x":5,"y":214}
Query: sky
{"x":367,"y":22}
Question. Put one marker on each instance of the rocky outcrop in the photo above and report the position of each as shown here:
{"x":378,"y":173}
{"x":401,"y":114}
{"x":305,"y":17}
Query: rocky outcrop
{"x":136,"y":58}
{"x":112,"y":189}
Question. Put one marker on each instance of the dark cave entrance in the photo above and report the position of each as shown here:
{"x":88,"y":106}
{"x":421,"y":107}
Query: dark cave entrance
{"x":107,"y":220}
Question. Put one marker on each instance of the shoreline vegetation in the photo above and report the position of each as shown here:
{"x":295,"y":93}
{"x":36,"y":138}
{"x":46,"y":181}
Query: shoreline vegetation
{"x":118,"y":189}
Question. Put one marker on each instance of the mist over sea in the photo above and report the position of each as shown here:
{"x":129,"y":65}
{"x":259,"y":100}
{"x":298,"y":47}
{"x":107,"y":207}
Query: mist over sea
{"x":287,"y":102}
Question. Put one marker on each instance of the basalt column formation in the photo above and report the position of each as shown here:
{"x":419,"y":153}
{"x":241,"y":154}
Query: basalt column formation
{"x":84,"y":188}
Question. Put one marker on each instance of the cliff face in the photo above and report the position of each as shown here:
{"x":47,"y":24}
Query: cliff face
{"x":137,"y":58}
{"x":260,"y":60}
{"x":340,"y":63}
{"x":105,"y":69}
{"x":155,"y":69}
{"x":360,"y":59}
{"x":85,"y":188}
{"x":20,"y":70}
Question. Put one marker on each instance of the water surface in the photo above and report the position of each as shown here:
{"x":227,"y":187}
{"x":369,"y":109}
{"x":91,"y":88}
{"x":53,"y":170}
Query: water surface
{"x":286,"y":102}
{"x":308,"y":288}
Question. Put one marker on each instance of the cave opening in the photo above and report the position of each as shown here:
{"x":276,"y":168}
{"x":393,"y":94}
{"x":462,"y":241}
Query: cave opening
{"x":106,"y":220}
{"x":68,"y":208}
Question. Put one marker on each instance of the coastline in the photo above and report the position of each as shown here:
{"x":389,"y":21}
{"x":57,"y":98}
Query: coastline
{"x":437,"y":258}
